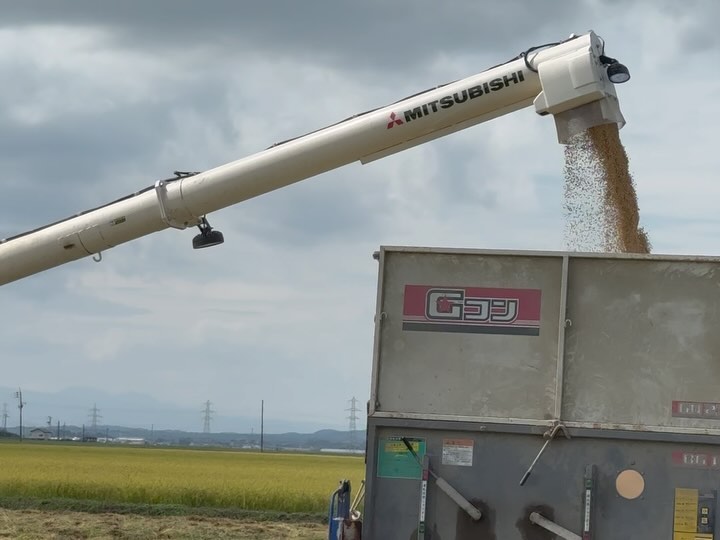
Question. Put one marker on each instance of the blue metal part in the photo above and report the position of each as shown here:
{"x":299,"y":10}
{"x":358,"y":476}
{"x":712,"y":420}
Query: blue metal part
{"x":339,"y":509}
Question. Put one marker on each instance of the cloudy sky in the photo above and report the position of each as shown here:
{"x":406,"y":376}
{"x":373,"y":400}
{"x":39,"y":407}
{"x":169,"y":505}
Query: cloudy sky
{"x":100,"y":99}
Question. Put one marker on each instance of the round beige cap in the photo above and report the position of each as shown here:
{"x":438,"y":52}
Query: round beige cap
{"x":630,"y":484}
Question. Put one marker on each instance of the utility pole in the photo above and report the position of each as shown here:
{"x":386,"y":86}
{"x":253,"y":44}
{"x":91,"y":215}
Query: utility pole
{"x":5,"y":416}
{"x":58,"y":430}
{"x":262,"y":424}
{"x":207,"y":416}
{"x":21,"y":404}
{"x":94,"y":417}
{"x":353,"y":420}
{"x":49,"y":422}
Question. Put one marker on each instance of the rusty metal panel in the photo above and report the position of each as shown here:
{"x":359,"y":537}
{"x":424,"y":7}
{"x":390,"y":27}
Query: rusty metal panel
{"x":643,"y":345}
{"x":467,"y":334}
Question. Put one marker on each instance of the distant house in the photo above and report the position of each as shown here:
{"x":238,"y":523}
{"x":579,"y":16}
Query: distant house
{"x":40,"y":434}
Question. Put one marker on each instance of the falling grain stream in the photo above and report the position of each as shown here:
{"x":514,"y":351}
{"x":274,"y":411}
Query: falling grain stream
{"x":601,"y":209}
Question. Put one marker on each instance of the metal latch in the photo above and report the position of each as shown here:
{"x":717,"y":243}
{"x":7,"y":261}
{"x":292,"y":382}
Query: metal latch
{"x":549,"y":435}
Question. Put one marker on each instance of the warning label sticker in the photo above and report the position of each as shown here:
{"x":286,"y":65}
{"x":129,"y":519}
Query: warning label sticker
{"x":457,"y":452}
{"x":395,"y":461}
{"x":694,"y":517}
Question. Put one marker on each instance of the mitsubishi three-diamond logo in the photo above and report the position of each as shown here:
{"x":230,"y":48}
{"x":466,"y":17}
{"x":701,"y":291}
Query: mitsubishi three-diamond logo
{"x":394,"y":121}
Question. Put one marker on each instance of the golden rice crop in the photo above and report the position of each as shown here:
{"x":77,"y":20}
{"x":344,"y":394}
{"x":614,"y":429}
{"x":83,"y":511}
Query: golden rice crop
{"x":207,"y":478}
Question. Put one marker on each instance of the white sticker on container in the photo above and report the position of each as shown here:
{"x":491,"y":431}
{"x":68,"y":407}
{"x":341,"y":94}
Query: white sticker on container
{"x":457,"y":452}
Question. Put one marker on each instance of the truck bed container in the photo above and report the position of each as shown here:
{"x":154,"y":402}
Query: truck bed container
{"x":482,"y":357}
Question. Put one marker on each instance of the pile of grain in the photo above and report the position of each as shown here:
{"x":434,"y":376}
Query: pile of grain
{"x":601,"y":209}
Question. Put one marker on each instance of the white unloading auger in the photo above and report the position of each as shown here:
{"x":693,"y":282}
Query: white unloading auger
{"x":572,"y":80}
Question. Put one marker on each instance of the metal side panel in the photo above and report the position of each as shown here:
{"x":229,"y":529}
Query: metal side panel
{"x":643,"y":347}
{"x":468,"y":334}
{"x":668,"y":491}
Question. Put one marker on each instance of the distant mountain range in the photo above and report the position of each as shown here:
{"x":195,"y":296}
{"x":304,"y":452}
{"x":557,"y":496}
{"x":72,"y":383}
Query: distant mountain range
{"x":71,"y":406}
{"x":326,"y":439}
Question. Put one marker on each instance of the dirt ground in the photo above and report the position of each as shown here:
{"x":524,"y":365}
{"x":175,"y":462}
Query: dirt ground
{"x":36,"y":524}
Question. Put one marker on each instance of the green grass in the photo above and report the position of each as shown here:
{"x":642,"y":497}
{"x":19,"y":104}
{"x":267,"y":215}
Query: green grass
{"x":293,"y":483}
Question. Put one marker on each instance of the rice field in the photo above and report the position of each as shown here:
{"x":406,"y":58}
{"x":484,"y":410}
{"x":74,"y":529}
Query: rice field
{"x":195,"y":478}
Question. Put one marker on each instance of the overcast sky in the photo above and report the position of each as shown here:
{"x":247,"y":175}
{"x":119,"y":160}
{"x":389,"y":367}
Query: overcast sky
{"x":100,"y":99}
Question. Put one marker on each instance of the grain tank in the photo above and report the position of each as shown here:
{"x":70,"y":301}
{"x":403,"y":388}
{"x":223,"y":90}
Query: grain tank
{"x":577,"y":391}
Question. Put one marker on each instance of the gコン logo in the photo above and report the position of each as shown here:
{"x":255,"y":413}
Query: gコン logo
{"x":478,"y":310}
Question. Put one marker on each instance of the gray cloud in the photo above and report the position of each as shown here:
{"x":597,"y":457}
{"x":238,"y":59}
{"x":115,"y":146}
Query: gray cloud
{"x":102,"y":98}
{"x":693,"y":23}
{"x":376,"y":33}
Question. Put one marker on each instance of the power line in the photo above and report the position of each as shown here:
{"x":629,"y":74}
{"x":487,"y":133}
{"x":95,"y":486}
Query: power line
{"x":207,"y":416}
{"x":94,"y":417}
{"x":353,"y":418}
{"x":5,"y":416}
{"x":21,"y":404}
